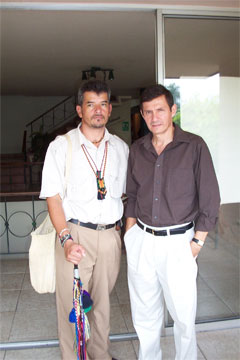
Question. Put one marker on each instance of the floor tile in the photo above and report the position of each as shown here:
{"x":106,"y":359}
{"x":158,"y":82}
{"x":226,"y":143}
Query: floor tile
{"x":34,"y":354}
{"x":114,"y":298}
{"x":13,"y":266}
{"x":11,"y":281}
{"x":31,"y":300}
{"x":34,"y":325}
{"x":220,"y":345}
{"x":127,"y":315}
{"x":117,"y":323}
{"x":123,"y":350}
{"x":122,"y":292}
{"x":212,"y":308}
{"x":122,"y":279}
{"x":26,"y":282}
{"x":216,"y":267}
{"x":168,"y":348}
{"x":9,"y":299}
{"x":226,"y":288}
{"x":6,"y":320}
{"x":204,"y":291}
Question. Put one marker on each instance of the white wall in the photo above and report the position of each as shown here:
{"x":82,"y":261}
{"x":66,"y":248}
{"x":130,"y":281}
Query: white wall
{"x":211,"y":109}
{"x":121,"y":121}
{"x":16,"y":112}
{"x":229,"y":140}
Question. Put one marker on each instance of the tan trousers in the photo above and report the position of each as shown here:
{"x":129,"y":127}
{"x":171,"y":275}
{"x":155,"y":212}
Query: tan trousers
{"x":98,"y":272}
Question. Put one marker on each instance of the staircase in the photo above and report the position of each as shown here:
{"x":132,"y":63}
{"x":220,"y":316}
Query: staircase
{"x":22,"y":172}
{"x":53,"y":120}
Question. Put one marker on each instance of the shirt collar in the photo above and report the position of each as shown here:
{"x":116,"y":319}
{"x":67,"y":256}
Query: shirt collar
{"x":180,"y":135}
{"x":83,"y":140}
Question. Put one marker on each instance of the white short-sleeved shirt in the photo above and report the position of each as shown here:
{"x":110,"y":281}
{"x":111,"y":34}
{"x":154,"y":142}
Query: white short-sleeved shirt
{"x":80,"y":201}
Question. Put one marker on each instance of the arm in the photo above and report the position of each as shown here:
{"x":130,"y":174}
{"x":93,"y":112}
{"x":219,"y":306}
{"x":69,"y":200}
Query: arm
{"x":130,"y":222}
{"x":208,"y":196}
{"x":73,"y":252}
{"x":200,"y":235}
{"x":131,"y":191}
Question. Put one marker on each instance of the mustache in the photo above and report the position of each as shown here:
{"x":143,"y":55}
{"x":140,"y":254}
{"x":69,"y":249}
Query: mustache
{"x":98,"y":116}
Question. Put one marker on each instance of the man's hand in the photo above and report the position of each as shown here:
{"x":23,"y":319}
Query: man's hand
{"x":73,"y":252}
{"x":129,"y":223}
{"x":200,"y":235}
{"x":195,"y":248}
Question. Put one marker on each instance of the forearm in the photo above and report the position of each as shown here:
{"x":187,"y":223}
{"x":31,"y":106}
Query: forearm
{"x":56,"y":213}
{"x":73,"y":252}
{"x":201,"y":235}
{"x":130,"y":222}
{"x":196,"y":248}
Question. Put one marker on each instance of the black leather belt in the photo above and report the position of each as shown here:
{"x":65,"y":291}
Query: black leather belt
{"x":92,"y":226}
{"x":164,"y":232}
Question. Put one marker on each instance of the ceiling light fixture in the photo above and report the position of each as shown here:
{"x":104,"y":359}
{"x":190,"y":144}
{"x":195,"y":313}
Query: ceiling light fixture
{"x":91,"y":73}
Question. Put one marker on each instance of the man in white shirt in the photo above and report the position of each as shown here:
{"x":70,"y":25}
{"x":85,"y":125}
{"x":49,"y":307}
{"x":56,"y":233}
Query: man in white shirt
{"x":85,"y":216}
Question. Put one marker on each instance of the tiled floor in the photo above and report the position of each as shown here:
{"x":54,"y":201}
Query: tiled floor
{"x":27,"y":316}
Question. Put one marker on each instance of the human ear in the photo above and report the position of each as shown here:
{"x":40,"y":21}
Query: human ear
{"x":174,"y":110}
{"x":79,"y":110}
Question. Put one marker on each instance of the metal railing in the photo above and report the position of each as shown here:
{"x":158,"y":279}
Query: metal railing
{"x":53,"y":117}
{"x":20,"y":214}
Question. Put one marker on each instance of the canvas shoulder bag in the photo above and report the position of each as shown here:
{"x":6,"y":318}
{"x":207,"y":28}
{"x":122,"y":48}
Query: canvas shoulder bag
{"x":42,"y":264}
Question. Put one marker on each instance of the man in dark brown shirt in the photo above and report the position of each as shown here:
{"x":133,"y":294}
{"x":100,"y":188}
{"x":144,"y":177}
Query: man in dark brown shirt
{"x":173,"y":201}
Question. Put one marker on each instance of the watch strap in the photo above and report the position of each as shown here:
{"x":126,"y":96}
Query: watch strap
{"x":199,"y":242}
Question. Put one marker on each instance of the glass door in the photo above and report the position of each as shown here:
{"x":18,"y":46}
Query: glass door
{"x":202,"y":71}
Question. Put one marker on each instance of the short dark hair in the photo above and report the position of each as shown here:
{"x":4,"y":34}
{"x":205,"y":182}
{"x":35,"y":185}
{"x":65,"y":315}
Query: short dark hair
{"x":154,"y":91}
{"x":96,"y":86}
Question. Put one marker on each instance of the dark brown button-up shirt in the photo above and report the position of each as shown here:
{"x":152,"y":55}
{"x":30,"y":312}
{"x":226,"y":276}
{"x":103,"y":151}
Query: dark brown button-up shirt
{"x":176,"y":187}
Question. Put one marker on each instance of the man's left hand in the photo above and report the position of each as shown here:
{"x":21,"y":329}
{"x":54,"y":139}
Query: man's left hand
{"x":195,"y":248}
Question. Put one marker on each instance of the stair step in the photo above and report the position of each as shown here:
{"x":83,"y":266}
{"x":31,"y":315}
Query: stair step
{"x":12,"y":170}
{"x":14,"y":187}
{"x":11,"y":157}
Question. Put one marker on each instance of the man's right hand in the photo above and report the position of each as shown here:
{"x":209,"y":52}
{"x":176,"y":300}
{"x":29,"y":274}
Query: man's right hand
{"x":73,"y":252}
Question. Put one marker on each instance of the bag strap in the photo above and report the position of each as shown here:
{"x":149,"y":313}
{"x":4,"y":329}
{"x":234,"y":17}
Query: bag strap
{"x":68,"y":163}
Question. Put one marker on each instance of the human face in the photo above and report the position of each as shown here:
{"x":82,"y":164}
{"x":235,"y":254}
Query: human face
{"x":95,"y":110}
{"x":158,"y":115}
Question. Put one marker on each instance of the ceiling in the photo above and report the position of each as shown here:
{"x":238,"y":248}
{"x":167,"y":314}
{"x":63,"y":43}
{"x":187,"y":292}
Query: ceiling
{"x":44,"y":52}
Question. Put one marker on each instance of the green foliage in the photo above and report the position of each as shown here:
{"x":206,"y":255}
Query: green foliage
{"x":175,"y":90}
{"x":177,"y":118}
{"x":39,"y":144}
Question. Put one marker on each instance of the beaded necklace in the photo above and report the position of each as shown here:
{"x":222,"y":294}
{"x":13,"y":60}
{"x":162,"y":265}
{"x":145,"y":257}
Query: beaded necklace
{"x":102,"y":191}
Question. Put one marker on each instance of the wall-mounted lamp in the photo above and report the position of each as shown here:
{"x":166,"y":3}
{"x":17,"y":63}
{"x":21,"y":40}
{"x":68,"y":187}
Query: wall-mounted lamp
{"x":91,"y":73}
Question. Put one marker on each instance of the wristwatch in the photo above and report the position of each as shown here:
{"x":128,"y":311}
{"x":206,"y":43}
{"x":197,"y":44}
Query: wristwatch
{"x":199,"y":242}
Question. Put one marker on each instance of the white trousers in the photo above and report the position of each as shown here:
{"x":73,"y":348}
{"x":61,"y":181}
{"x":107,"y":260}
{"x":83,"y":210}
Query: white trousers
{"x":162,"y":267}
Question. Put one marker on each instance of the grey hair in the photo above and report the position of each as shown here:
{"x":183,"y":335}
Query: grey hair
{"x":96,"y":86}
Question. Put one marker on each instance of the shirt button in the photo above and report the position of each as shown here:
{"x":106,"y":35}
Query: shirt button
{"x":155,"y":217}
{"x":158,"y":165}
{"x":156,"y":199}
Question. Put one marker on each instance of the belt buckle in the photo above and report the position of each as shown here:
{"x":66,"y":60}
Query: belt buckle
{"x":153,"y":232}
{"x":101,"y":227}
